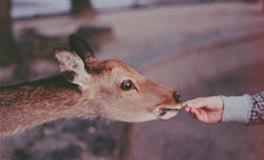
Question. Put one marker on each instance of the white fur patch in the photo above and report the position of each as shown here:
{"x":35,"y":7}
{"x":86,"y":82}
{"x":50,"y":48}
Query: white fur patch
{"x":70,"y":61}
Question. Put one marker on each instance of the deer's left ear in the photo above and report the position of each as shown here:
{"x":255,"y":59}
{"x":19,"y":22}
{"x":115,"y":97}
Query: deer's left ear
{"x":73,"y":69}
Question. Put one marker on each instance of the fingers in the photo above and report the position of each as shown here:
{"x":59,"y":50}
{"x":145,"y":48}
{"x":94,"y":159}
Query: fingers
{"x":206,"y":109}
{"x":199,"y":114}
{"x":211,"y":103}
{"x":195,"y":103}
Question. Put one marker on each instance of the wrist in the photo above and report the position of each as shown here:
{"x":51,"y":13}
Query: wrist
{"x":220,"y":106}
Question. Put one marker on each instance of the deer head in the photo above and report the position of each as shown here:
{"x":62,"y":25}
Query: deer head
{"x":117,"y":91}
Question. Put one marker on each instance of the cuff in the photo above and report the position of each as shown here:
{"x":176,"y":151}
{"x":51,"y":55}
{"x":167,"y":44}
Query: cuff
{"x":237,"y":109}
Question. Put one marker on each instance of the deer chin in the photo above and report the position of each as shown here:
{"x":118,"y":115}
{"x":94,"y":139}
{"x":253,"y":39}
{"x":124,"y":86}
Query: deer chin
{"x":166,"y":112}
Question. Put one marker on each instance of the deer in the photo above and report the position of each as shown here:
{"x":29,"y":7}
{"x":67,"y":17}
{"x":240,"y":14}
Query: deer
{"x":85,"y":88}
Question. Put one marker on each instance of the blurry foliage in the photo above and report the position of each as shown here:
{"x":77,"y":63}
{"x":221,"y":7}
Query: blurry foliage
{"x":103,"y":145}
{"x":68,"y":153}
{"x":31,"y":46}
{"x":21,"y":154}
{"x":69,"y":140}
{"x":34,"y":45}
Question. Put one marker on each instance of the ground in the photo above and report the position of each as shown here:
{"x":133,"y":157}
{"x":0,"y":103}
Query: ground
{"x":200,"y":50}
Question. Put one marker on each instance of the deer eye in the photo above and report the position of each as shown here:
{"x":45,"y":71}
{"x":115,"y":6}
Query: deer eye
{"x":126,"y":85}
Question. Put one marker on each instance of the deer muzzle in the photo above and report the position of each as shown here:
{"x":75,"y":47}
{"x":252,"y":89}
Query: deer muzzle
{"x":168,"y":111}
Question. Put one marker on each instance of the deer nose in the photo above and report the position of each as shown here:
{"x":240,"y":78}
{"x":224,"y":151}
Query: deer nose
{"x":176,"y":95}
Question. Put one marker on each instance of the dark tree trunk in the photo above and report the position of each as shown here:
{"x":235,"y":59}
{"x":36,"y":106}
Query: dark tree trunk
{"x":6,"y":37}
{"x":262,"y":5}
{"x":80,"y":7}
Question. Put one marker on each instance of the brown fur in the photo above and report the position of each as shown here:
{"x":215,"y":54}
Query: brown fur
{"x":83,"y":93}
{"x":30,"y":104}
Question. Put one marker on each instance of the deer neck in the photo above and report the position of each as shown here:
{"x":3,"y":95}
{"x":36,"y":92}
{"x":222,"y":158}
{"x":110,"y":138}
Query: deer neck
{"x":27,"y":105}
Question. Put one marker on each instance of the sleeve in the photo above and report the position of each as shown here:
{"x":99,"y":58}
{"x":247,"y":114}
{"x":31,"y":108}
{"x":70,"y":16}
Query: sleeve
{"x":257,"y":111}
{"x":247,"y":109}
{"x":237,"y":108}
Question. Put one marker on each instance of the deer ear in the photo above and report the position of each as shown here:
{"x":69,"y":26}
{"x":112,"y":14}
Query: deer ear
{"x":72,"y":68}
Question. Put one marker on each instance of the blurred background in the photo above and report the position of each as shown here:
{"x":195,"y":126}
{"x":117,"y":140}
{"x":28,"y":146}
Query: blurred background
{"x":198,"y":47}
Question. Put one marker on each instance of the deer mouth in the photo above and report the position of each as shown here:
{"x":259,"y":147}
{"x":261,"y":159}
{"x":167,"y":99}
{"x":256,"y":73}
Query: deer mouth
{"x":166,"y":112}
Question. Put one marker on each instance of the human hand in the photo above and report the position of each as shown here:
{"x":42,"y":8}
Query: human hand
{"x":206,"y":109}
